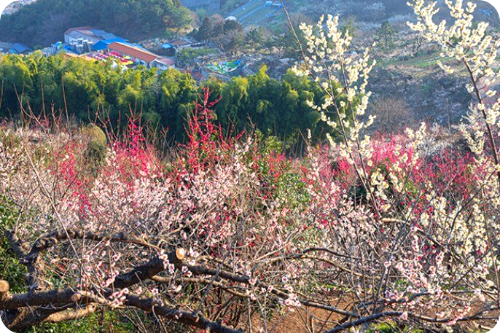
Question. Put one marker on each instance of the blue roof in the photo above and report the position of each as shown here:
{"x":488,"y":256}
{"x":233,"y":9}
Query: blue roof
{"x":167,"y":46}
{"x":20,"y":48}
{"x":13,"y":48}
{"x":103,"y":44}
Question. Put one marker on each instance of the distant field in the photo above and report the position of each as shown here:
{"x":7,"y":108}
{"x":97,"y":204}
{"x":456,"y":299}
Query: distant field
{"x":424,"y":61}
{"x":255,"y":12}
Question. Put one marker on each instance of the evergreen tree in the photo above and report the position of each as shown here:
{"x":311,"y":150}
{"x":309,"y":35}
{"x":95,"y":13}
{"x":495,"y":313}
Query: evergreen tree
{"x":385,"y":35}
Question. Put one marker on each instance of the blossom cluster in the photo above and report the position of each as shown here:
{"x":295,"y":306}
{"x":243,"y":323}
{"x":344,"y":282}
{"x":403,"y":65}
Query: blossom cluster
{"x":377,"y":221}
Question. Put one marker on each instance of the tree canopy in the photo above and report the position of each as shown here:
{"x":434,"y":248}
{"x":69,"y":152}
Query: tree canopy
{"x":84,"y":89}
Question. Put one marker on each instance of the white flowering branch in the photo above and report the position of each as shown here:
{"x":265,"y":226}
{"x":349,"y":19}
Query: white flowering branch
{"x":477,"y":50}
{"x":339,"y":75}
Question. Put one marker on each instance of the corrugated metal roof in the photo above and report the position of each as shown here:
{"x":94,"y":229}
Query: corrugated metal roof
{"x":91,"y":32}
{"x":70,"y":30}
{"x":133,"y":51}
{"x":180,"y":42}
{"x":103,"y":34}
{"x":165,"y":61}
{"x":20,"y":47}
{"x":16,"y":48}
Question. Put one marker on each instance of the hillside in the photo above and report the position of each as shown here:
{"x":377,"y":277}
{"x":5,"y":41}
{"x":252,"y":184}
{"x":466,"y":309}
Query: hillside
{"x":44,"y":22}
{"x":356,"y":191}
{"x":377,"y":11}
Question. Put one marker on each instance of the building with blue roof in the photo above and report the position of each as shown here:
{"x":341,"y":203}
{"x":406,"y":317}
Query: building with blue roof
{"x":86,"y":34}
{"x":21,"y":48}
{"x":103,"y":44}
{"x":14,"y":48}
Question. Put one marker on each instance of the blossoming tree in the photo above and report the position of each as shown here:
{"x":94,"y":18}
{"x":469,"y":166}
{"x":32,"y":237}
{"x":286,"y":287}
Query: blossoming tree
{"x":231,"y":235}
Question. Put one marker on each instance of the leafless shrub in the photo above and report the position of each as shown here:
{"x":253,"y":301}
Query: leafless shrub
{"x":392,"y":114}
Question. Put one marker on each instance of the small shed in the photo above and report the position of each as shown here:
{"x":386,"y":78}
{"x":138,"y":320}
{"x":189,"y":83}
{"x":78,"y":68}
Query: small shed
{"x":180,"y":43}
{"x":163,"y":63}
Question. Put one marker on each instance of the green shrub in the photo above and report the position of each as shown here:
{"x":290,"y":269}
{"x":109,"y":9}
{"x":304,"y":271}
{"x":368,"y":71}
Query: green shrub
{"x":95,"y":152}
{"x":10,"y":268}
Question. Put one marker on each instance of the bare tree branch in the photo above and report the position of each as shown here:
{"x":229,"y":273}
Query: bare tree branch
{"x":69,"y":296}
